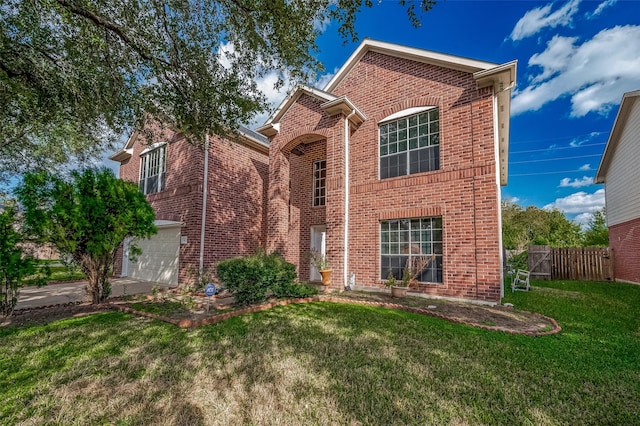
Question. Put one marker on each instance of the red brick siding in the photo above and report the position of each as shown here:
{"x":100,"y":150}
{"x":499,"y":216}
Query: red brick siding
{"x":236,"y":209}
{"x":464,"y":191}
{"x":624,"y":240}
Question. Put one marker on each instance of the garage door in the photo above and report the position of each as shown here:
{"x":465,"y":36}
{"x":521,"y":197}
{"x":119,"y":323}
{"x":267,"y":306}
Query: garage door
{"x":159,"y":259}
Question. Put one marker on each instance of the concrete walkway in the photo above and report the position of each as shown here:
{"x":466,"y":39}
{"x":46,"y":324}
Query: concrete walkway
{"x":61,"y":293}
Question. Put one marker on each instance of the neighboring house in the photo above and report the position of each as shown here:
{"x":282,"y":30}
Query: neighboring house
{"x":401,"y":155}
{"x":171,"y":171}
{"x":620,"y":173}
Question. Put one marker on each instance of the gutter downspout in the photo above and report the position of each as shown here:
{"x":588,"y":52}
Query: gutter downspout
{"x":346,"y":199}
{"x":204,"y":200}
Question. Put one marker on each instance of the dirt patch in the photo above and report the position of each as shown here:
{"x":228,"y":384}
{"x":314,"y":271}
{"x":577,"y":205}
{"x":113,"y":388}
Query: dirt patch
{"x":196,"y":313}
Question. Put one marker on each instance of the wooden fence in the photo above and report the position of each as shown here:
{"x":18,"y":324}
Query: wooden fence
{"x":581,"y":263}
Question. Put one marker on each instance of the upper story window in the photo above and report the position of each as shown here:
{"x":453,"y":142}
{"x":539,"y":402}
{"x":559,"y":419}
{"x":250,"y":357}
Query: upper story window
{"x":319,"y":183}
{"x":410,"y":144}
{"x":153,"y":168}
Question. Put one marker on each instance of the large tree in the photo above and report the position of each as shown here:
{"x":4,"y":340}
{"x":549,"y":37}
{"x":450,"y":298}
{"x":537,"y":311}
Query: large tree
{"x":522,"y":227}
{"x":75,"y":74}
{"x":86,"y":217}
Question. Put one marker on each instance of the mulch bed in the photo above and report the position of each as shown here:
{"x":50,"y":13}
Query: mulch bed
{"x":497,"y":318}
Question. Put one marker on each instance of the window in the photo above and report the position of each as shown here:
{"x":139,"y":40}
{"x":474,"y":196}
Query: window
{"x":410,"y":144}
{"x":153,"y":169}
{"x":319,"y":183}
{"x":403,"y":240}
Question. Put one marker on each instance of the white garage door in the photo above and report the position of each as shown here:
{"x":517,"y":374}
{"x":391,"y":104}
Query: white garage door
{"x":159,"y":259}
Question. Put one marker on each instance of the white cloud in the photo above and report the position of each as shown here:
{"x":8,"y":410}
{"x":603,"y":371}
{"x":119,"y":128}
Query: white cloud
{"x":602,"y":6}
{"x":579,"y":202}
{"x":583,"y":219}
{"x":541,"y":17}
{"x":585,"y":167}
{"x":594,"y":73}
{"x":576,"y":183}
{"x":581,"y":140}
{"x":276,"y":96}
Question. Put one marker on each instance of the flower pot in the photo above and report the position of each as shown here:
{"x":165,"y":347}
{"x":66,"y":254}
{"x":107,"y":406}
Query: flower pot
{"x":398,"y":291}
{"x":326,"y":276}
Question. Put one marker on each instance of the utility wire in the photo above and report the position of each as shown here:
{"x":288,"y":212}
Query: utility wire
{"x":551,"y":173}
{"x":554,"y":159}
{"x":553,"y":149}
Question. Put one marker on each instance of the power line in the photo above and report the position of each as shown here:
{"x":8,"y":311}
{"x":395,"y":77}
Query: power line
{"x":553,"y":149}
{"x":554,"y":159}
{"x":551,"y":173}
{"x":593,"y":134}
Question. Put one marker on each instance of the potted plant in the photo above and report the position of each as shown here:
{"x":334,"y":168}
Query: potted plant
{"x":320,"y":262}
{"x":398,"y":288}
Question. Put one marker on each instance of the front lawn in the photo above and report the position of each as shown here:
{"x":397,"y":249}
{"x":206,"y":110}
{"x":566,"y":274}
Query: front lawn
{"x":324,"y":363}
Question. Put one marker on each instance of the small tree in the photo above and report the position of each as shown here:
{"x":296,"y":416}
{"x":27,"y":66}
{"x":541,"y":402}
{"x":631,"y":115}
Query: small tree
{"x":15,"y":265}
{"x":597,"y":234}
{"x":86,"y":217}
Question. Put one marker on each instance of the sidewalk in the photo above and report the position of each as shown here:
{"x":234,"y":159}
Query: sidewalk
{"x":72,"y":292}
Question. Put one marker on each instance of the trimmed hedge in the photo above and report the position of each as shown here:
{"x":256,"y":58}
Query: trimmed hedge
{"x":251,"y":279}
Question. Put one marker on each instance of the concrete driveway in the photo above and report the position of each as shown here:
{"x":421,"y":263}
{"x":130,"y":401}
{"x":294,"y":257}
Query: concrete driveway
{"x":61,"y":293}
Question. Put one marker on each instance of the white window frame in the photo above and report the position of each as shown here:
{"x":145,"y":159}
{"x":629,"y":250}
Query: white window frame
{"x":153,"y":167}
{"x":429,"y":244}
{"x":423,"y":144}
{"x":319,"y":183}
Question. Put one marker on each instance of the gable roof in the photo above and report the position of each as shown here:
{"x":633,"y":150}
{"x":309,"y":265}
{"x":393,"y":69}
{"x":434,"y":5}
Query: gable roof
{"x":412,"y":53}
{"x":628,"y":99}
{"x":332,"y":104}
{"x":245,"y":133}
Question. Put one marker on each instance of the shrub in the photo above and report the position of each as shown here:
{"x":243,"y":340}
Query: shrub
{"x":250,"y":279}
{"x":294,"y":290}
{"x":15,"y":265}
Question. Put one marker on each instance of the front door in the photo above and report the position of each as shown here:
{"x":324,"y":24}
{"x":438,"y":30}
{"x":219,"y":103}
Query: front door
{"x":319,"y":243}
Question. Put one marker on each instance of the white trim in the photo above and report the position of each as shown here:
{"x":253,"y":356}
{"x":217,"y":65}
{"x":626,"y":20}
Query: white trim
{"x":346,"y":198}
{"x":204,"y":200}
{"x":618,"y":125}
{"x":412,"y":53}
{"x":160,"y":223}
{"x":151,"y":147}
{"x":405,"y":113}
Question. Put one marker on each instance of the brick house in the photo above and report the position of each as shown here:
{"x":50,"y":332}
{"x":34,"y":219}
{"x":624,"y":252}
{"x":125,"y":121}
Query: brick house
{"x":620,"y":173}
{"x":171,"y":171}
{"x":401,"y":155}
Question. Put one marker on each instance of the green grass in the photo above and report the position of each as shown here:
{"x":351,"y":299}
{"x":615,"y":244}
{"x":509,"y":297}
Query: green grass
{"x":165,"y":308}
{"x":58,"y":273}
{"x":323,"y":363}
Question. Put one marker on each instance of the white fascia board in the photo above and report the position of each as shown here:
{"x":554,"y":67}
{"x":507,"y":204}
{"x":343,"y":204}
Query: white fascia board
{"x":618,"y":125}
{"x":411,"y":53}
{"x":121,"y":155}
{"x":503,"y":79}
{"x":342,"y":105}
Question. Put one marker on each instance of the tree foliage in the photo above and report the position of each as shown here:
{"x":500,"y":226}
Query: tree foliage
{"x":86,"y":217}
{"x":597,"y":233}
{"x":15,"y":264}
{"x":75,"y":74}
{"x":522,"y":227}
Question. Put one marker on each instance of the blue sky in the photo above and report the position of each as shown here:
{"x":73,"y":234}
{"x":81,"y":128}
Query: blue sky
{"x":575,"y":61}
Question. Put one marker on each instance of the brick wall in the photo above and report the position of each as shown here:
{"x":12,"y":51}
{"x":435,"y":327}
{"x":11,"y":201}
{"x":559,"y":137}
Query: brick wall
{"x":464,"y":191}
{"x":624,"y":240}
{"x":236,"y":210}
